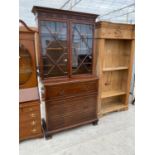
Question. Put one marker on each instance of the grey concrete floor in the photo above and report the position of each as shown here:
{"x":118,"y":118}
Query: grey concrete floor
{"x":114,"y":135}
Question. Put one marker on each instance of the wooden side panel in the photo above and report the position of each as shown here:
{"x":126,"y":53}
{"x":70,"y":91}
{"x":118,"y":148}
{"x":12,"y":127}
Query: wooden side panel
{"x":130,"y":70}
{"x":37,"y":51}
{"x":100,"y":44}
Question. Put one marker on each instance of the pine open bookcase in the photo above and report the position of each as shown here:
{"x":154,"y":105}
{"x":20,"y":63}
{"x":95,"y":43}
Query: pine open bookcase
{"x":115,"y":48}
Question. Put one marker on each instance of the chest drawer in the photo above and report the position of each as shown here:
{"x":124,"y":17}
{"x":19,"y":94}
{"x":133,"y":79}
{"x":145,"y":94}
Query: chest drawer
{"x":26,"y":132}
{"x":30,"y":109}
{"x":30,"y":123}
{"x":71,"y":111}
{"x":29,"y":116}
{"x":29,"y":106}
{"x":70,"y":89}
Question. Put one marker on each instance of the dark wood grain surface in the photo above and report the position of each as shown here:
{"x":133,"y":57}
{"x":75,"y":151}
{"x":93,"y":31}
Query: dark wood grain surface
{"x":70,"y":99}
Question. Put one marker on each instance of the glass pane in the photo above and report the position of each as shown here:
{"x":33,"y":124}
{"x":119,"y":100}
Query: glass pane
{"x":82,"y":42}
{"x":54,"y":48}
{"x":25,"y":65}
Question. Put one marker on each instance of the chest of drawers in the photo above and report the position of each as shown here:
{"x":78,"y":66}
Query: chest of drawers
{"x":70,"y":104}
{"x":29,"y":120}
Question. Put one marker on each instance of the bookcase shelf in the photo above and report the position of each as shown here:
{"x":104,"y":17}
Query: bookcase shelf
{"x":112,"y":93}
{"x":114,"y":67}
{"x":112,"y":106}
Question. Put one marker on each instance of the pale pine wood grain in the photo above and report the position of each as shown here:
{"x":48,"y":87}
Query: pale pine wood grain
{"x":115,"y":47}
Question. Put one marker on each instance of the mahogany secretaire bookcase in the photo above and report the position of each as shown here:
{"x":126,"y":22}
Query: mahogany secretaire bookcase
{"x":67,"y":67}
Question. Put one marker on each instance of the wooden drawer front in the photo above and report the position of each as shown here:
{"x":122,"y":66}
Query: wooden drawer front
{"x":29,"y":127}
{"x":30,"y":123}
{"x":70,"y":89}
{"x":29,"y":131}
{"x":29,"y":116}
{"x":30,"y":109}
{"x":70,"y":111}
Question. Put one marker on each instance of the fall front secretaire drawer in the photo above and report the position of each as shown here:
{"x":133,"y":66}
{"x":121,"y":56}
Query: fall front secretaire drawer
{"x":70,"y":89}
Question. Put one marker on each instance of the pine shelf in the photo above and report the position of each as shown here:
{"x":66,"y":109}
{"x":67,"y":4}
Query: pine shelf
{"x":112,"y":93}
{"x":112,"y":106}
{"x":115,"y":68}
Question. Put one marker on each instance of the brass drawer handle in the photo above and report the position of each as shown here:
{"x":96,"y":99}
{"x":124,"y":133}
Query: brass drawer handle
{"x":33,"y":115}
{"x":34,"y":122}
{"x":34,"y":130}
